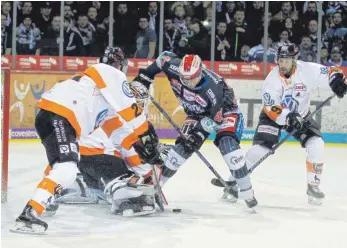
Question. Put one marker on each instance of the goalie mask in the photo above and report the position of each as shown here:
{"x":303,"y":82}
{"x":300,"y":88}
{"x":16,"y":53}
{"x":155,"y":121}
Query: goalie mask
{"x":141,"y":95}
{"x":114,"y":56}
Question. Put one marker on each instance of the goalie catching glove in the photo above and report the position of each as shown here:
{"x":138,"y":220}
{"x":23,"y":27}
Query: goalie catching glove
{"x":147,"y":145}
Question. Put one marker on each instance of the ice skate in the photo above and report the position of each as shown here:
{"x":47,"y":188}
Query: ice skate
{"x":315,"y":195}
{"x":29,"y":223}
{"x":229,"y":195}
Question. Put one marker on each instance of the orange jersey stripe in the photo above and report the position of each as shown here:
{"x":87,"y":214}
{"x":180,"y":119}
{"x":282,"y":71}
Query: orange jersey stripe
{"x":96,"y":77}
{"x":274,"y":112}
{"x":142,"y":128}
{"x":37,"y":206}
{"x":129,"y":141}
{"x":91,"y":151}
{"x":134,"y":160}
{"x":110,"y":125}
{"x":62,"y":111}
{"x":131,"y":112}
{"x":47,"y":185}
{"x":48,"y":170}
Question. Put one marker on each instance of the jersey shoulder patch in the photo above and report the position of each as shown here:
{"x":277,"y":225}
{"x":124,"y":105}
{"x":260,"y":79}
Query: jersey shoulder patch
{"x":164,"y":57}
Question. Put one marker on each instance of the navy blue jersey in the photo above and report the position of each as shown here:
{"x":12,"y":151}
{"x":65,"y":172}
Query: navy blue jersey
{"x":211,"y":98}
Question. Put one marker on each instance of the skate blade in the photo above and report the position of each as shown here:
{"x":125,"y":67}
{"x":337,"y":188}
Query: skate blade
{"x":315,"y":201}
{"x":229,"y":198}
{"x":21,"y":228}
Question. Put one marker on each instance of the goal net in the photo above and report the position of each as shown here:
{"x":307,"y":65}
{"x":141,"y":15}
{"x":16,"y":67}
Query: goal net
{"x":5,"y":107}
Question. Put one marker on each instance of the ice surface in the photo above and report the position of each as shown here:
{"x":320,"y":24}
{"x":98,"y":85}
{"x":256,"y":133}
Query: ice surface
{"x":283,"y":219}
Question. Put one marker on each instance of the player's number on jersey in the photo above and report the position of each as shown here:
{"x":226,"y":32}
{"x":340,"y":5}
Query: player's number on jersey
{"x":136,"y":109}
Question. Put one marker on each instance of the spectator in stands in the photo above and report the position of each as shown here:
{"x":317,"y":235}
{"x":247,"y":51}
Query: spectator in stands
{"x":227,"y":14}
{"x":26,"y":10}
{"x":254,"y":15}
{"x":153,"y":17}
{"x":6,"y":37}
{"x":324,"y":56}
{"x":68,"y":13}
{"x":101,"y":38}
{"x":179,"y":19}
{"x":102,"y":8}
{"x":244,"y":53}
{"x":306,"y":51}
{"x":284,"y":39}
{"x":27,"y":37}
{"x":44,"y":20}
{"x":172,"y":36}
{"x":336,"y":58}
{"x":86,"y":31}
{"x":337,"y":33}
{"x":73,"y":45}
{"x":198,"y":43}
{"x":222,"y":50}
{"x":238,"y":30}
{"x":124,"y":29}
{"x":208,"y":19}
{"x":93,"y":17}
{"x":6,"y":10}
{"x":310,"y":13}
{"x":286,"y":11}
{"x":146,"y":40}
{"x":256,"y":54}
{"x":293,"y":31}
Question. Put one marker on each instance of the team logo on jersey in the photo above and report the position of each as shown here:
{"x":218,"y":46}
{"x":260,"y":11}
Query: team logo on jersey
{"x":100,"y":118}
{"x":126,"y":89}
{"x":290,"y":103}
{"x":268,"y":101}
{"x":200,"y":100}
{"x":189,"y":96}
{"x":300,"y":87}
{"x":324,"y":70}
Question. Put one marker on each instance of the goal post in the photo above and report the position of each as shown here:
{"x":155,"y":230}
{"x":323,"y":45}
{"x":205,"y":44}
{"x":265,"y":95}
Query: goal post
{"x":5,"y":127}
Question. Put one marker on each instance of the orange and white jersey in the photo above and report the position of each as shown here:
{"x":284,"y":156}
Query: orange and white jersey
{"x":98,"y":101}
{"x":282,"y":96}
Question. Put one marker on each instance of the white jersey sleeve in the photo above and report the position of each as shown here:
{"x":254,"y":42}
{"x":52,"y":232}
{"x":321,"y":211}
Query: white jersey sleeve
{"x":317,"y":75}
{"x":272,"y":98}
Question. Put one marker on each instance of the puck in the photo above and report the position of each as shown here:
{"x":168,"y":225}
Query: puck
{"x":176,"y":210}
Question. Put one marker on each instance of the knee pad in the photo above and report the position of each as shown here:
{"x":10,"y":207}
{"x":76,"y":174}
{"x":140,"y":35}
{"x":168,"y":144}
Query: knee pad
{"x":315,"y":149}
{"x":175,"y":158}
{"x":227,"y":144}
{"x":236,"y":163}
{"x":64,"y":173}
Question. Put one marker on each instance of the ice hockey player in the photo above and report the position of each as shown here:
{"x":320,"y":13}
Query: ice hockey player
{"x":286,"y":100}
{"x":210,"y":105}
{"x":75,"y":108}
{"x":107,"y":165}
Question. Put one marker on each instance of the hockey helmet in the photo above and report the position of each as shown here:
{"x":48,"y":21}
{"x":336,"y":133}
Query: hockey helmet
{"x":288,"y":50}
{"x":190,"y":70}
{"x":114,"y":56}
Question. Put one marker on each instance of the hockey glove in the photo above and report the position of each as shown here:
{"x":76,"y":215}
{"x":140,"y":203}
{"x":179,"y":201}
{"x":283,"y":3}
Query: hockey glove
{"x":294,"y":120}
{"x":338,"y":83}
{"x":147,"y":145}
{"x":143,"y":78}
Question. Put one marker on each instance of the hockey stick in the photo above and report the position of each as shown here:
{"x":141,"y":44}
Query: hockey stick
{"x":184,"y":137}
{"x":275,"y":147}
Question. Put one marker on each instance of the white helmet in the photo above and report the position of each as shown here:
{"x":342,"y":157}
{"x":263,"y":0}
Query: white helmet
{"x":190,"y":70}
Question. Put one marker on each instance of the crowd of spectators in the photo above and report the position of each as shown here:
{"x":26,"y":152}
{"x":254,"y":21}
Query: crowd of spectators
{"x":187,"y":29}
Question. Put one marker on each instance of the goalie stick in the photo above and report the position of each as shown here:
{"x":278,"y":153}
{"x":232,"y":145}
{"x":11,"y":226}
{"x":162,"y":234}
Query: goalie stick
{"x":157,"y":105}
{"x":216,"y":182}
